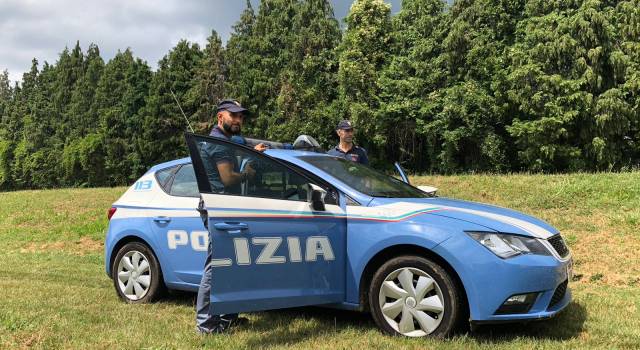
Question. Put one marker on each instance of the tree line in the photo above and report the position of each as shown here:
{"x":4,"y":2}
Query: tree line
{"x":482,"y":85}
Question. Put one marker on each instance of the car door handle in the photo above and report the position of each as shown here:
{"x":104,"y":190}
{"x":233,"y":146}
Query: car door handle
{"x":162,"y":219}
{"x":231,"y":227}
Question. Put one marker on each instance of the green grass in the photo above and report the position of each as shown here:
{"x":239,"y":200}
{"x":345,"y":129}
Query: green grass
{"x":54,"y":293}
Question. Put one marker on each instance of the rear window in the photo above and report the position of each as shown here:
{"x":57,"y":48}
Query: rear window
{"x":164,"y":175}
{"x":184,"y":183}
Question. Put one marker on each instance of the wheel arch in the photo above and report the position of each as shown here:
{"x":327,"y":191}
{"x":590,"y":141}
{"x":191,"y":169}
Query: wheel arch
{"x":399,"y":250}
{"x":128,"y":239}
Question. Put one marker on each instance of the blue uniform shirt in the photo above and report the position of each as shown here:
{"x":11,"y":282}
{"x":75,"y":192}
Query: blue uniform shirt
{"x":356,"y":154}
{"x":220,"y":154}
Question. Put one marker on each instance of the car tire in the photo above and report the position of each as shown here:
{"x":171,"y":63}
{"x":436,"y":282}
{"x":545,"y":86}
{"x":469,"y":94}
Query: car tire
{"x":415,"y":297}
{"x":136,"y":274}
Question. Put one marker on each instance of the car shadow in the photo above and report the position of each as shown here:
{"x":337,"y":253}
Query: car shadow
{"x":566,"y":325}
{"x":291,"y":326}
{"x":274,"y":328}
{"x":179,"y":298}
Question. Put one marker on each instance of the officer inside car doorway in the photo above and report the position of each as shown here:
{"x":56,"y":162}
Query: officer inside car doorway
{"x":346,"y":149}
{"x":230,"y":116}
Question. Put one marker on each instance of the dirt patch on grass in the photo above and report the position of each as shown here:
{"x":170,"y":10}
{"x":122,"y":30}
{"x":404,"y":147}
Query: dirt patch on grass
{"x":80,"y":246}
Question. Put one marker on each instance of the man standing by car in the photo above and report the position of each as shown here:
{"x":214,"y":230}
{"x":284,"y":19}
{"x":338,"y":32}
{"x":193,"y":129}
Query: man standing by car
{"x":346,"y":149}
{"x":225,"y":177}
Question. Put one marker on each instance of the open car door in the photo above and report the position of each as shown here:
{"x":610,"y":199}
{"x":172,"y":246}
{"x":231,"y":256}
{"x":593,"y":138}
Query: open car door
{"x":279,"y":238}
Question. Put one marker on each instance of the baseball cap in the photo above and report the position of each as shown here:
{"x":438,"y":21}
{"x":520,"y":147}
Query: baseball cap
{"x":344,"y":125}
{"x":232,"y":106}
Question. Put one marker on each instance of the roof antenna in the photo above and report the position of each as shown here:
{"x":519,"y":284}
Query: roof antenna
{"x":184,"y":115}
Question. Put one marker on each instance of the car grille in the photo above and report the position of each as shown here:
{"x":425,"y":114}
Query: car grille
{"x":559,"y":293}
{"x":558,"y":244}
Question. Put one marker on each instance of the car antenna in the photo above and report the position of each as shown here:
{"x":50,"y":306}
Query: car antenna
{"x":184,"y":115}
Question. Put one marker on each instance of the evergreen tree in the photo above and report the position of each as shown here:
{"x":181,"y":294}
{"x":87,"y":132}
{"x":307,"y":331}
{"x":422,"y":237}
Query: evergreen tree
{"x":626,"y":70}
{"x":83,"y":119}
{"x":82,"y":113}
{"x":6,"y":144}
{"x":69,"y":73}
{"x":120,"y":99}
{"x":468,"y":129}
{"x":207,"y":87}
{"x":241,"y":66}
{"x":309,"y":79}
{"x":363,"y":56}
{"x":164,"y":126}
{"x":13,"y":124}
{"x":410,"y":82}
{"x":572,"y":112}
{"x":37,"y":154}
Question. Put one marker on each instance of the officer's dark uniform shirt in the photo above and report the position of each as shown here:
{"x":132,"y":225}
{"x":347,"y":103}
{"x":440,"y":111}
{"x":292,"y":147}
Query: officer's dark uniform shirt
{"x":355,"y":154}
{"x":219,"y":153}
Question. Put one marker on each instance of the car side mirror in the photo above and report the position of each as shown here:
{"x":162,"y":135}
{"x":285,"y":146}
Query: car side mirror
{"x":315,"y":196}
{"x":431,"y":191}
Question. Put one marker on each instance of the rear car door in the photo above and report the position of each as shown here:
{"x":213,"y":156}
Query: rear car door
{"x":271,"y":249}
{"x":177,"y":224}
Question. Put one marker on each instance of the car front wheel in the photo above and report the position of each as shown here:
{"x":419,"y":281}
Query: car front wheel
{"x":415,"y":297}
{"x":136,"y":273}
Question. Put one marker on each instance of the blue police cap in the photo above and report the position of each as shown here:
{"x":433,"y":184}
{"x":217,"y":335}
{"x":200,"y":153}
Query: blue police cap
{"x":344,"y":125}
{"x":232,"y":106}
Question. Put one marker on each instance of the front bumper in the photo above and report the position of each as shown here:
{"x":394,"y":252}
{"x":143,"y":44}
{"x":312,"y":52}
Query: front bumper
{"x":489,"y":280}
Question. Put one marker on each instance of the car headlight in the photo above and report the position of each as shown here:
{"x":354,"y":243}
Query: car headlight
{"x":508,"y":245}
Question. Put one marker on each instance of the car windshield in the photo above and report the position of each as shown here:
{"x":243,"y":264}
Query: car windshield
{"x":364,"y":179}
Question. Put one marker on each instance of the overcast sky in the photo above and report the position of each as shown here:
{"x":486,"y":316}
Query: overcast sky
{"x":42,"y":28}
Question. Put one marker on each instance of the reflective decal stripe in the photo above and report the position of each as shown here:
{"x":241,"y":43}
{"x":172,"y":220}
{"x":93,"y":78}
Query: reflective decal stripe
{"x":533,"y":229}
{"x":266,"y":213}
{"x":384,"y":214}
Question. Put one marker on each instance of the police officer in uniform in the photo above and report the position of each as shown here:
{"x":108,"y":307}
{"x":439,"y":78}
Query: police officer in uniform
{"x":224,"y":177}
{"x":346,"y":149}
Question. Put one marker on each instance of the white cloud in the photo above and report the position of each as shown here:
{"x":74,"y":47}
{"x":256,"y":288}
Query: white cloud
{"x":41,"y":29}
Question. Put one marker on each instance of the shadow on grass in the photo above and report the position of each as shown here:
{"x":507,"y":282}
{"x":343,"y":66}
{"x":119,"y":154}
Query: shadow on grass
{"x":566,"y":325}
{"x":273,"y":328}
{"x":180,"y":298}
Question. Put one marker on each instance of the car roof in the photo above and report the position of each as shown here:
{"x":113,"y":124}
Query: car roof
{"x":291,"y":156}
{"x":169,"y":164}
{"x":284,"y":154}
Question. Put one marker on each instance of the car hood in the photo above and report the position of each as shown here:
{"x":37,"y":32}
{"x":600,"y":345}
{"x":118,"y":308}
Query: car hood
{"x":492,"y":217}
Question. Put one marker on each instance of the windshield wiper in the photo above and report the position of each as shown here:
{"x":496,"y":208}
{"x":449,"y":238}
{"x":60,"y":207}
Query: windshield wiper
{"x":382,"y":195}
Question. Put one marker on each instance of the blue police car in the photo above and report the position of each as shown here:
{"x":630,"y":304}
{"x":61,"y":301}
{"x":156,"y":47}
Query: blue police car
{"x":310,"y":229}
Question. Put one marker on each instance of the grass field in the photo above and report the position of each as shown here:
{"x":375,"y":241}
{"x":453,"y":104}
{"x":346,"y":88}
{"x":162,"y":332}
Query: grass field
{"x":54,"y":292}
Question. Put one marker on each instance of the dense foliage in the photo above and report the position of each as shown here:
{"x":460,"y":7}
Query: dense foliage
{"x":482,"y":85}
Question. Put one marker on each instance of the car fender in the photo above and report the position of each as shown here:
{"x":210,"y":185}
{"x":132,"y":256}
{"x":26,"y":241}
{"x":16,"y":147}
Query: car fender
{"x":365,"y":241}
{"x":131,"y":232}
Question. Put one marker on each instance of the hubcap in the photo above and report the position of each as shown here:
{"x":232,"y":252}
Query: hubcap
{"x":134,"y":275}
{"x":411,"y":302}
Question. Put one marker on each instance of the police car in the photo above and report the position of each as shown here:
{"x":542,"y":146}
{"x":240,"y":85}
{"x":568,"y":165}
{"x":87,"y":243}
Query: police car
{"x":312,"y":229}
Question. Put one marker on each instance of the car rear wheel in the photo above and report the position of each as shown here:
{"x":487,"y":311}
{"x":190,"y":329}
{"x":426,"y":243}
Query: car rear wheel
{"x":136,"y":274}
{"x":415,"y":297}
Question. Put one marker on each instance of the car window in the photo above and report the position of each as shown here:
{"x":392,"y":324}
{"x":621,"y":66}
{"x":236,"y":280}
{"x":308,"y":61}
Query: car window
{"x":363,"y":178}
{"x":163,"y":176}
{"x":251,"y":174}
{"x":184,"y":183}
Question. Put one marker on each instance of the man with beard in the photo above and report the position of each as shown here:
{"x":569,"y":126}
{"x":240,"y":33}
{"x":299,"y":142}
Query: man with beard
{"x":225,"y":178}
